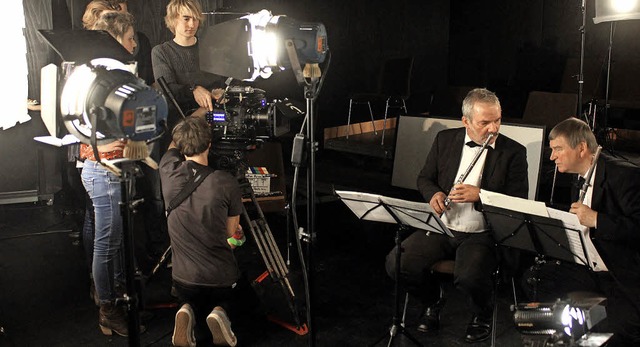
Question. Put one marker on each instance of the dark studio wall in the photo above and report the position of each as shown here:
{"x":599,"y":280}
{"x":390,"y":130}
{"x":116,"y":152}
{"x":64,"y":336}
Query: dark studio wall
{"x":511,"y":47}
{"x":361,"y":34}
{"x":515,"y":47}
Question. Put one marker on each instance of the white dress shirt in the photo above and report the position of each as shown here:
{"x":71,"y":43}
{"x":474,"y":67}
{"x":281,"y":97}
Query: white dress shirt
{"x":463,"y":217}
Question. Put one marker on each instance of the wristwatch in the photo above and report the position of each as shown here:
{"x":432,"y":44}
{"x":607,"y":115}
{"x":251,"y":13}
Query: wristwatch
{"x":192,"y":87}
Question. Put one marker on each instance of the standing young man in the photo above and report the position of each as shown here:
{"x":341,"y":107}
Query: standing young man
{"x":178,"y":61}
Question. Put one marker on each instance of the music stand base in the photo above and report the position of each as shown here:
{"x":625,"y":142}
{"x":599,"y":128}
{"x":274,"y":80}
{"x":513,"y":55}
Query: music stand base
{"x":393,"y":333}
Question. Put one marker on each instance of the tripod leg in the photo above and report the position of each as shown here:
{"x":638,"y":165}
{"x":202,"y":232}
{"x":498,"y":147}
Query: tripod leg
{"x":270,"y":253}
{"x":163,"y":259}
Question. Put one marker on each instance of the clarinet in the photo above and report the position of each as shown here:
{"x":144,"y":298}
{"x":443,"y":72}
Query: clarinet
{"x":587,"y":180}
{"x":463,"y":176}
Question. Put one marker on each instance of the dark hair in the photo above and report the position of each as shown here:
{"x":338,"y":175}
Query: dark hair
{"x":192,"y":136}
{"x":575,"y":131}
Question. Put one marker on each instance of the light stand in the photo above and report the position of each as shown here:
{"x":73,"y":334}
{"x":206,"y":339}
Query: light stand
{"x":613,"y":11}
{"x":583,"y":8}
{"x":127,"y":182}
{"x":606,"y":93}
{"x":310,"y":92}
{"x":254,"y":46}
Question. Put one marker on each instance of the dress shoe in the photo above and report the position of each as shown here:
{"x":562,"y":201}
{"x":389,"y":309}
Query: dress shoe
{"x":479,"y":329}
{"x":429,"y":321}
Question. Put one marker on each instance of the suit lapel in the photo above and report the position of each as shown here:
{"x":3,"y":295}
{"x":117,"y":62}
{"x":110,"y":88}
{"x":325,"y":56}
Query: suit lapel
{"x":493,"y":155}
{"x":456,"y":155}
{"x":598,"y":184}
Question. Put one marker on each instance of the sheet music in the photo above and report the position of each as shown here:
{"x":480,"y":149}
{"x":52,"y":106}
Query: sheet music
{"x":418,"y":215}
{"x":508,"y":202}
{"x":578,"y":235}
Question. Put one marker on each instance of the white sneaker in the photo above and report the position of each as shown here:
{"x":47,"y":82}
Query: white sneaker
{"x":183,"y":334}
{"x":220,"y":327}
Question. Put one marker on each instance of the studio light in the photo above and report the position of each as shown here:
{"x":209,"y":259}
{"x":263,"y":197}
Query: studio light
{"x":560,"y":321}
{"x":255,"y":45}
{"x":615,"y":10}
{"x":122,"y":105}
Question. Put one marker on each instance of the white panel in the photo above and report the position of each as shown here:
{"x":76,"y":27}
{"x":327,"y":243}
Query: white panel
{"x":416,"y":134}
{"x":48,"y":94}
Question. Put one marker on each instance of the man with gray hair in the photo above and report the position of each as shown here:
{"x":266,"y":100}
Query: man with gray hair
{"x":502,"y":167}
{"x":611,"y":211}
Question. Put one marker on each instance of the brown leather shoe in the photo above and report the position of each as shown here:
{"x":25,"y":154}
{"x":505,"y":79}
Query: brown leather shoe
{"x":112,"y":319}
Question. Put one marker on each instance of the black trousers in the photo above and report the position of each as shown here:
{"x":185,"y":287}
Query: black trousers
{"x":203,"y":299}
{"x":475,"y":261}
{"x":554,"y":280}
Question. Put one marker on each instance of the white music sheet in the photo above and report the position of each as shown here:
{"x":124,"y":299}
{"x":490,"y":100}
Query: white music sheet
{"x":578,"y":234}
{"x":418,"y":215}
{"x":508,"y":202}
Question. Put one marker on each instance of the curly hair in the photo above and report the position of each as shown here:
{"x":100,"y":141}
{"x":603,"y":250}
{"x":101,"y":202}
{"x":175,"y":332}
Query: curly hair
{"x":115,"y":23}
{"x":94,"y":9}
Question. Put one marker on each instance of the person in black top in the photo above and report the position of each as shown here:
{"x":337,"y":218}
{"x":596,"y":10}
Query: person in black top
{"x":178,"y":62}
{"x":204,"y":229}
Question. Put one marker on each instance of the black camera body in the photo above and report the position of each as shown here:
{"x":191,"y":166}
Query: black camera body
{"x":239,"y":124}
{"x":243,"y":115}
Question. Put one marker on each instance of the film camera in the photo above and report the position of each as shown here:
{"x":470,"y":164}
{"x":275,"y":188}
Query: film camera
{"x":244,"y":120}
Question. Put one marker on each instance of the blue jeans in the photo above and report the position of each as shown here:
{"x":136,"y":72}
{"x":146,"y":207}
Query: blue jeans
{"x":103,"y":188}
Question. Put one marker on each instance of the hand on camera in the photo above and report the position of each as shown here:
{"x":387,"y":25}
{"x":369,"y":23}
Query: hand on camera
{"x":203,"y":97}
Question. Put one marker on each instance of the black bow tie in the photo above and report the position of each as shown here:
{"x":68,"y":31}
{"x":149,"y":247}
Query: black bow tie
{"x":580,"y":182}
{"x":472,"y":144}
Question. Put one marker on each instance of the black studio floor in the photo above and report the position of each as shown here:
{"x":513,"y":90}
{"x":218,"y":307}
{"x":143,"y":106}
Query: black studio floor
{"x":44,"y":285}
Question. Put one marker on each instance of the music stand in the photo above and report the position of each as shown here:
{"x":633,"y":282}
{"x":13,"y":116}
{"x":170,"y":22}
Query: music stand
{"x":554,"y":234}
{"x":405,"y":214}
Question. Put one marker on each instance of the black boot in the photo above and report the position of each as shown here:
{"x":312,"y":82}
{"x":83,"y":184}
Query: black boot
{"x":430,"y":320}
{"x":479,"y":329}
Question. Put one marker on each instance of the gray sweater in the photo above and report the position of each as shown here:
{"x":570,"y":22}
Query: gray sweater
{"x":180,"y":67}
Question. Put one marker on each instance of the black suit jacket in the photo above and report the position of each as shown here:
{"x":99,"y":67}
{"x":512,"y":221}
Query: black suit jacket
{"x":505,"y":168}
{"x":616,"y":198}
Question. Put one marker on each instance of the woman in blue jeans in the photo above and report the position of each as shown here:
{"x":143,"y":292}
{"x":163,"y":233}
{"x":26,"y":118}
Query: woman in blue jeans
{"x":103,"y":187}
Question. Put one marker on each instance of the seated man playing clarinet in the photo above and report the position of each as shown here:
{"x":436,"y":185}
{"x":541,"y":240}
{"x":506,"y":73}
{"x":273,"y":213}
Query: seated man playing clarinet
{"x":609,"y":205}
{"x":480,"y":158}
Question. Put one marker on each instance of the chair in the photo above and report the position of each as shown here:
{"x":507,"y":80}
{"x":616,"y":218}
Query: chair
{"x":549,"y":109}
{"x":393,"y":84}
{"x":446,"y":267}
